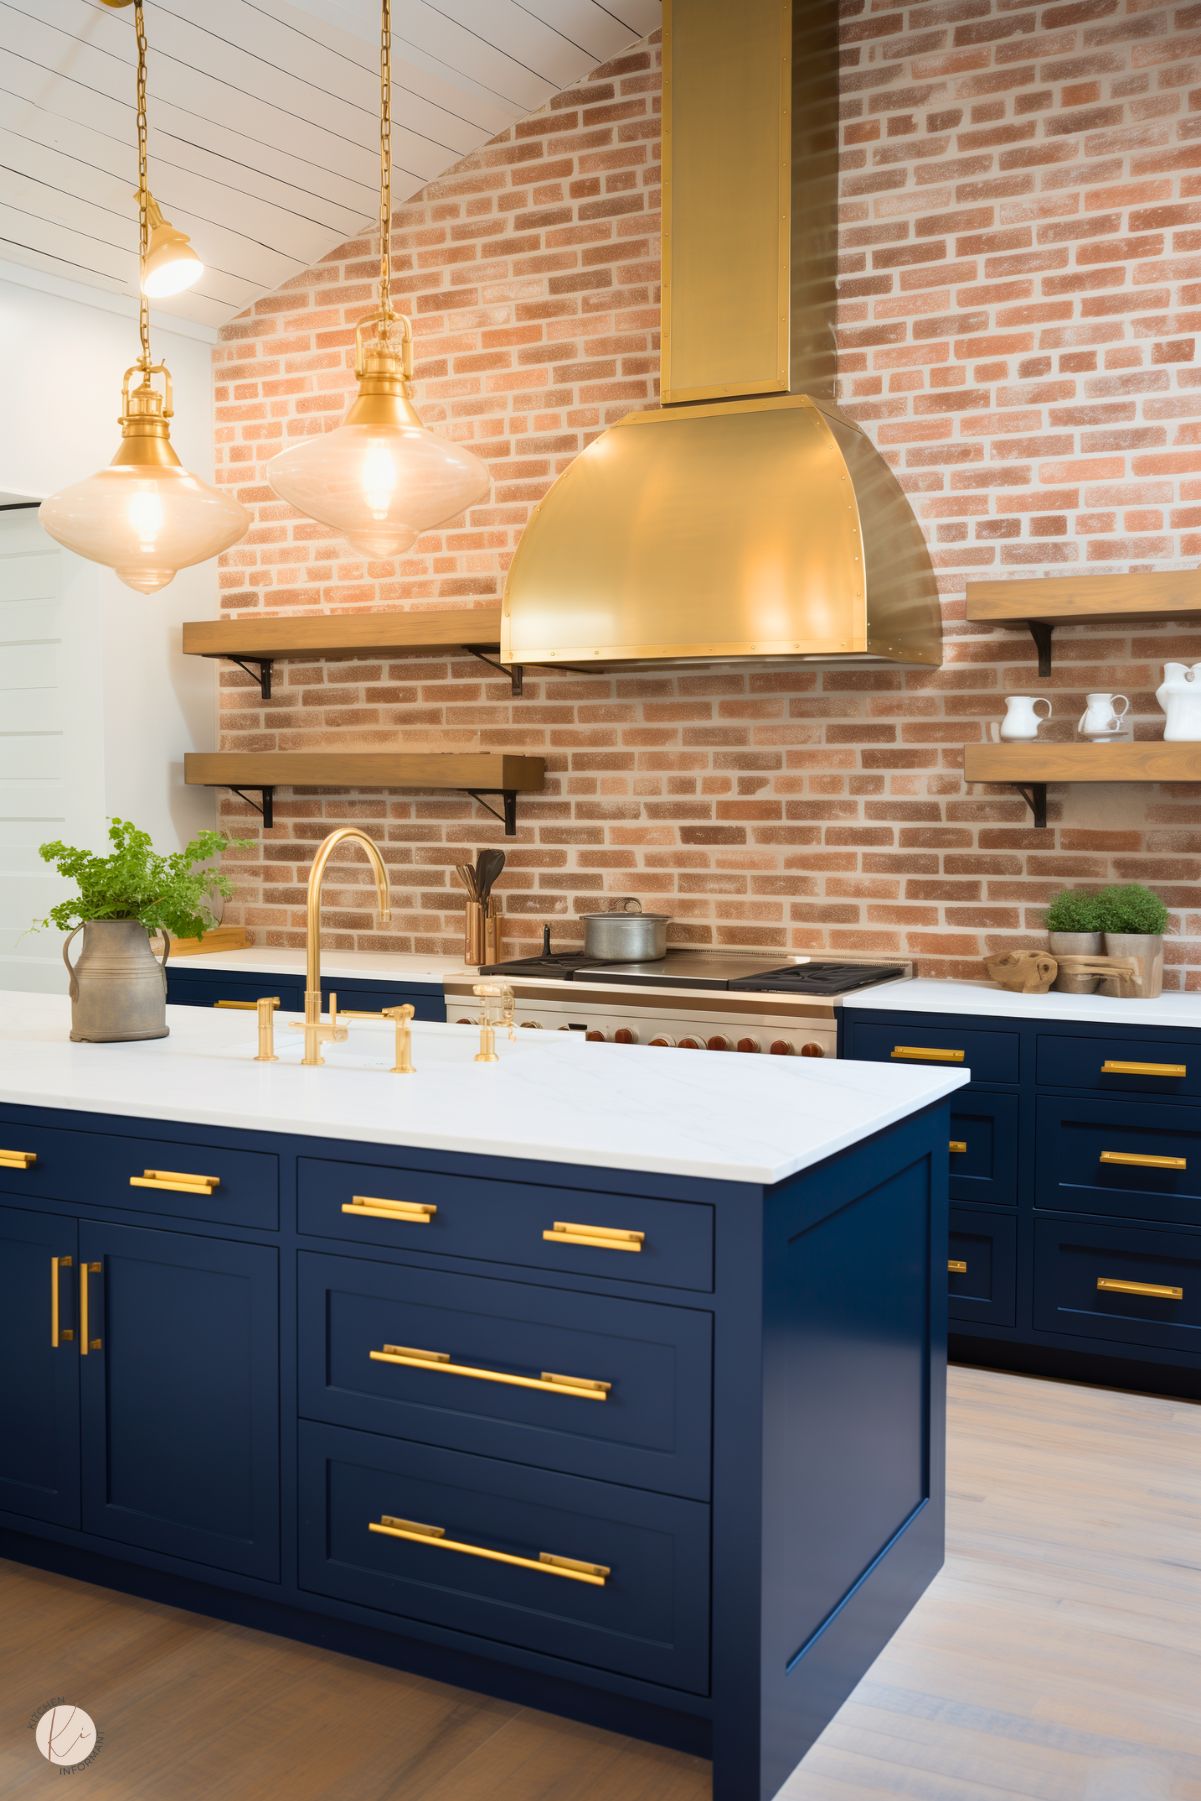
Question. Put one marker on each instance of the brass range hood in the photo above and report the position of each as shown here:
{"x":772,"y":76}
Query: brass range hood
{"x":745,"y":517}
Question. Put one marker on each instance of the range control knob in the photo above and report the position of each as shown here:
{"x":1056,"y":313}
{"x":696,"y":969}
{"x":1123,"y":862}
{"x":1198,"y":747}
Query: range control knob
{"x":663,"y":1039}
{"x":595,"y":1037}
{"x":813,"y":1050}
{"x":718,"y":1043}
{"x":691,"y":1044}
{"x":623,"y":1035}
{"x":466,"y":1022}
{"x":780,"y":1047}
{"x":749,"y":1044}
{"x":531,"y":1025}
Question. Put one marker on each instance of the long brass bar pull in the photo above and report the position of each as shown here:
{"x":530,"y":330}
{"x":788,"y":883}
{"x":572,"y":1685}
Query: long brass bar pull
{"x":58,"y":1335}
{"x":594,"y":1574}
{"x":1113,"y":1066}
{"x":957,"y":1145}
{"x":601,"y":1238}
{"x":1154,"y":1291}
{"x":920,"y":1053}
{"x":18,"y":1159}
{"x":86,"y":1341}
{"x":581,"y":1388}
{"x":247,"y":1006}
{"x":175,"y":1181}
{"x":404,"y":1213}
{"x":1136,"y":1160}
{"x":956,"y":1266}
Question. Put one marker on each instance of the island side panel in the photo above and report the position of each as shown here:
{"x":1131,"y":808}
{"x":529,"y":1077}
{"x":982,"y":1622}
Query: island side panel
{"x":847,"y":1521}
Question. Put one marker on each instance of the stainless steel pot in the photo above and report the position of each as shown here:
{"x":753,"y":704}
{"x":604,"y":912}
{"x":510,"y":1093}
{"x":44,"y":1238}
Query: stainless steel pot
{"x":626,"y":934}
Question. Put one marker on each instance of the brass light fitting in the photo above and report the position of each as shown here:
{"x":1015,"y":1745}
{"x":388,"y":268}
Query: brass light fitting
{"x":169,"y":265}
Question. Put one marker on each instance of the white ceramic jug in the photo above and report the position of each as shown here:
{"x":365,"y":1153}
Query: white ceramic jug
{"x":1102,"y":717}
{"x":1022,"y":717}
{"x":1179,"y":694}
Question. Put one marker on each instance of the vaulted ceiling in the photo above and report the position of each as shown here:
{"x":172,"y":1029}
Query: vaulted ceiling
{"x":263,"y":121}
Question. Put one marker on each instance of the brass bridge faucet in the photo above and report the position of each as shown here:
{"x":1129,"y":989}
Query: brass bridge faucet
{"x":316,"y":1030}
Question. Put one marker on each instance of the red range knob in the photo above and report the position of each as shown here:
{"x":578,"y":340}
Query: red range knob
{"x":813,"y":1050}
{"x":623,"y":1035}
{"x":691,"y":1044}
{"x":663,"y":1039}
{"x":595,"y":1037}
{"x":749,"y":1044}
{"x":531,"y":1025}
{"x":780,"y":1047}
{"x":718,"y":1043}
{"x":466,"y":1022}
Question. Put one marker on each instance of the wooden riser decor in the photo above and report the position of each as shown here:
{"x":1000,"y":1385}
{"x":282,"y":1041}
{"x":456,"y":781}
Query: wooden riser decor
{"x":1030,"y":767}
{"x":1085,"y":600}
{"x":478,"y":773}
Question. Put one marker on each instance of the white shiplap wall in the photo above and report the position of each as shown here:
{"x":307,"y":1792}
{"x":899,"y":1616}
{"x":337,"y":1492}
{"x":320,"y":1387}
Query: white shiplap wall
{"x":263,"y":117}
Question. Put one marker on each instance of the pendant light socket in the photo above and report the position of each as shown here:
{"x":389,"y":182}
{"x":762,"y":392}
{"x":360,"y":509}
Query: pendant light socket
{"x":170,"y":264}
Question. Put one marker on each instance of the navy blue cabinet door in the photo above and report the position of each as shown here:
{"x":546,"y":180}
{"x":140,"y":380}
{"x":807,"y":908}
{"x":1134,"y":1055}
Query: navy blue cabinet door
{"x":39,"y":1378}
{"x":180,"y":1394}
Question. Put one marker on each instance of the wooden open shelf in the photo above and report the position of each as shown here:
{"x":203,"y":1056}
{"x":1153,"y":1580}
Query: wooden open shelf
{"x":1085,"y":600}
{"x":1031,"y":766}
{"x":477,"y":773}
{"x":262,"y":642}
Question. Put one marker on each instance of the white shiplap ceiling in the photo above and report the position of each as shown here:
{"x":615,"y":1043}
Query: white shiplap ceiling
{"x":263,"y":122}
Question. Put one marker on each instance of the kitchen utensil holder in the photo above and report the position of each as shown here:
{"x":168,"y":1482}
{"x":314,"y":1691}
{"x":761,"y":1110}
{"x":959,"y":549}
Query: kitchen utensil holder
{"x":481,"y":933}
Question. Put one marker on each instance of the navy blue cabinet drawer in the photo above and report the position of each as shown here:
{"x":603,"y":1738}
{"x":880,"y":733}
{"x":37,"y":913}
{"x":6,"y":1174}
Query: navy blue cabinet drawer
{"x":578,"y":1230}
{"x":212,"y":989}
{"x":1131,"y":1158}
{"x":1110,"y":1063}
{"x":603,"y":1576}
{"x":427,"y":1003}
{"x":908,"y":1038}
{"x":982,"y":1267}
{"x":579,"y":1382}
{"x":984,"y":1148}
{"x":181,"y":1181}
{"x":1118,"y":1282}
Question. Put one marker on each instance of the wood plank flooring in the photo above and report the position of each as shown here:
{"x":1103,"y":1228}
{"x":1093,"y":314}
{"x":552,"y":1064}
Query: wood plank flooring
{"x":1057,"y":1658}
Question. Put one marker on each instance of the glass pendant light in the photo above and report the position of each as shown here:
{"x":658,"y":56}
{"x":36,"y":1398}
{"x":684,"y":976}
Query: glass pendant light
{"x":144,"y":516}
{"x":381,"y":478}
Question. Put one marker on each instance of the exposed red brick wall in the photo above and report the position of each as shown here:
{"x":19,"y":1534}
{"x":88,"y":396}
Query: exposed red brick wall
{"x":1021,"y":298}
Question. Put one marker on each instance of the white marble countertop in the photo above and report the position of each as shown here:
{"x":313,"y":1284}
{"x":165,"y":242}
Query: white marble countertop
{"x":552,"y":1098}
{"x":365,"y":966}
{"x":923,"y":995}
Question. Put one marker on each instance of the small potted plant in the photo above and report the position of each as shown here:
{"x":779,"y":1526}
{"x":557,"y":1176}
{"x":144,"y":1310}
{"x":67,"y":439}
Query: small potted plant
{"x":1074,"y":925}
{"x":1134,"y":921}
{"x":119,"y":986}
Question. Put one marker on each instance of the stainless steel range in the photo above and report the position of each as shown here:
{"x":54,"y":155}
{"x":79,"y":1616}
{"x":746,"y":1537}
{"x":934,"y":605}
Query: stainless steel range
{"x":689,"y":1000}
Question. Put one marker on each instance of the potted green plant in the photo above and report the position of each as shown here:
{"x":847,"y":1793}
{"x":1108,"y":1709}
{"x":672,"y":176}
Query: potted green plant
{"x":1134,"y":921}
{"x":118,"y":986}
{"x":1074,"y":926}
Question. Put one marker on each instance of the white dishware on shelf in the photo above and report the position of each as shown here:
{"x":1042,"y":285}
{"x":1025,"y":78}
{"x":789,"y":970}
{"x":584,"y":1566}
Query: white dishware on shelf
{"x":1179,"y":694}
{"x":1103,"y":717}
{"x":1022,"y":717}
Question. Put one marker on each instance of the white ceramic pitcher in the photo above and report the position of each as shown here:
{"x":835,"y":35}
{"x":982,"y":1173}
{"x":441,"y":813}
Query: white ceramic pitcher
{"x":1179,"y":694}
{"x":1103,"y":716}
{"x":1022,"y":717}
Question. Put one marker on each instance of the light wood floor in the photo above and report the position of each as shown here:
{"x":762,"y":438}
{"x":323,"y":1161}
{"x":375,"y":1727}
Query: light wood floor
{"x":1058,"y":1657}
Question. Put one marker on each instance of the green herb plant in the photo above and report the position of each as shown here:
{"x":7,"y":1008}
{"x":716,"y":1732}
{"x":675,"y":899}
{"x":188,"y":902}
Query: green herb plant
{"x":164,"y":893}
{"x":1132,"y":908}
{"x":1074,"y":911}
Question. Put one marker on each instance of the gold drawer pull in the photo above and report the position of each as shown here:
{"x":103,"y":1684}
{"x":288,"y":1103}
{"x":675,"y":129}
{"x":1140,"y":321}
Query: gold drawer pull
{"x":86,"y":1343}
{"x":18,"y":1159}
{"x":956,"y":1266}
{"x":1137,"y":1160}
{"x":405,"y":1213}
{"x":583,"y":1388}
{"x":957,"y":1144}
{"x":1113,"y":1066}
{"x":247,"y":1006}
{"x":601,"y":1238}
{"x":65,"y":1335}
{"x":918,"y":1053}
{"x":1155,"y":1291}
{"x":594,"y":1574}
{"x":175,"y":1181}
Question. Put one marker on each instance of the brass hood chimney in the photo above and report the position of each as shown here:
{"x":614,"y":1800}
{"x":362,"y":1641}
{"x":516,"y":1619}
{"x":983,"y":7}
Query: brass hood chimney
{"x":745,"y":517}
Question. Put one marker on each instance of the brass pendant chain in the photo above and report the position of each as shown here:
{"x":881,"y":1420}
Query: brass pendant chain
{"x":143,"y":186}
{"x":385,"y":166}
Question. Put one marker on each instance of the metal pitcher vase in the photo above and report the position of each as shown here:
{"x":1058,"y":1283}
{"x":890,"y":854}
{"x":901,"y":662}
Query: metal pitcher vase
{"x":118,"y":986}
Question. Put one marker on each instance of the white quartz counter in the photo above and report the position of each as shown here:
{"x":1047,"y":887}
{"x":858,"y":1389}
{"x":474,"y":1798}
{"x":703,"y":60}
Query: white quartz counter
{"x":364,"y":966}
{"x":989,"y":1001}
{"x":552,"y":1097}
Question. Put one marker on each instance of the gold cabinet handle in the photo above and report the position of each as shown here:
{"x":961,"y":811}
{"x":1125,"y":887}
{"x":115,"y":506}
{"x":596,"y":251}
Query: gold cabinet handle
{"x":920,"y":1053}
{"x":956,"y":1266}
{"x":86,"y":1343}
{"x":1113,"y":1066}
{"x":175,"y":1181}
{"x":247,"y":1006}
{"x":1136,"y":1160}
{"x":18,"y":1159}
{"x":405,"y":1213}
{"x":1156,"y":1291}
{"x":581,"y":1388}
{"x":594,"y":1574}
{"x":65,"y":1335}
{"x":601,"y":1238}
{"x":957,"y":1144}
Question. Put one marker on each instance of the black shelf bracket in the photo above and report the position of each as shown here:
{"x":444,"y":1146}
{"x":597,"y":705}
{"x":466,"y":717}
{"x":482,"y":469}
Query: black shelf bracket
{"x":515,"y":671}
{"x":264,"y":805}
{"x":259,"y":670}
{"x":1035,"y":796}
{"x":509,"y":800}
{"x":1040,"y":631}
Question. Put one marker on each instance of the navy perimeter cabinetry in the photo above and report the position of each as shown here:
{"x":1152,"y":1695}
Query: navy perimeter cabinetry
{"x":658,"y":1452}
{"x":1075,"y":1244}
{"x":241,"y":988}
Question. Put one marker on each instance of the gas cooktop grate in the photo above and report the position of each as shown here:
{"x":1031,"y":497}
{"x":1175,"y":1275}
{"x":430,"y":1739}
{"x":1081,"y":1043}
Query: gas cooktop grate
{"x":817,"y":978}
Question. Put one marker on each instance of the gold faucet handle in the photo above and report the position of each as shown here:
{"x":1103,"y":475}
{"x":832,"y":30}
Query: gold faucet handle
{"x":266,"y":1016}
{"x":489,"y":992}
{"x":403,"y":1019}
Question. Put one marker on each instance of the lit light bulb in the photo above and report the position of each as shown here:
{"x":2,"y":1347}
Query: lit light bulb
{"x":170,"y":264}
